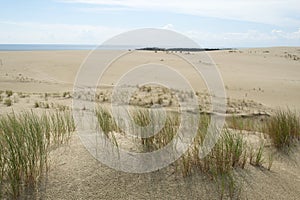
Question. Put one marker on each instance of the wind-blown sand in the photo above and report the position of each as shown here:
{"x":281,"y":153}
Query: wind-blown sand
{"x":256,"y":80}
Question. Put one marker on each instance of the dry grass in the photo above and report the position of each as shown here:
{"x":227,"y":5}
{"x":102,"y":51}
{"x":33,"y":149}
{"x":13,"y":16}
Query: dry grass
{"x":245,"y":123}
{"x":9,"y":93}
{"x":283,"y":128}
{"x":7,"y":102}
{"x":143,"y":117}
{"x":230,"y":152}
{"x":25,"y":142}
{"x":106,"y":120}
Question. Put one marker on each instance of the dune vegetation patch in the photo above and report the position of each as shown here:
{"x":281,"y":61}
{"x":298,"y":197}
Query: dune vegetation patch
{"x":231,"y":152}
{"x":26,"y":140}
{"x":283,"y":128}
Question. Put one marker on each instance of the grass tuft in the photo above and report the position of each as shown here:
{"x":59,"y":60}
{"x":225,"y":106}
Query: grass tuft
{"x":283,"y":128}
{"x":25,"y":143}
{"x":9,"y":93}
{"x":8,"y":102}
{"x":231,"y":151}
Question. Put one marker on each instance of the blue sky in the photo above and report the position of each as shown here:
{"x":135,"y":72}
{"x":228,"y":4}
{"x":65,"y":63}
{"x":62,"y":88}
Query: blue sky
{"x":213,"y":23}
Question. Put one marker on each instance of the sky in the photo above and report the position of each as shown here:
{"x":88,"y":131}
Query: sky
{"x":213,"y":23}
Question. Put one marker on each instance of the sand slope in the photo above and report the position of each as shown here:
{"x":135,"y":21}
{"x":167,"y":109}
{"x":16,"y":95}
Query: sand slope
{"x":77,"y":175}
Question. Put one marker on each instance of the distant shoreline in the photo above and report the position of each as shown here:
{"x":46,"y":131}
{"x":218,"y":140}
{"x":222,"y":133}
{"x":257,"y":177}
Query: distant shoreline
{"x":57,"y":47}
{"x":66,"y":47}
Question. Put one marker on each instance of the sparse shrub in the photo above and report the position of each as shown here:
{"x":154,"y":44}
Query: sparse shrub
{"x":8,"y":93}
{"x":36,"y":104}
{"x":160,"y":101}
{"x":8,"y":102}
{"x":151,"y":103}
{"x":104,"y":99}
{"x":66,"y":94}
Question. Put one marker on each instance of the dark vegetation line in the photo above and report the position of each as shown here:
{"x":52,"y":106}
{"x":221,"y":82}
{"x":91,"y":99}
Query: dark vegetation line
{"x":183,"y":49}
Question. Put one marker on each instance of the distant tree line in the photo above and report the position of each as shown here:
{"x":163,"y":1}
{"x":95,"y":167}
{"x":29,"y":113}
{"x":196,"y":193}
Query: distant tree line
{"x":183,"y":49}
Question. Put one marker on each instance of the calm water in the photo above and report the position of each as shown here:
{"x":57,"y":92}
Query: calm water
{"x":49,"y":47}
{"x":43,"y":47}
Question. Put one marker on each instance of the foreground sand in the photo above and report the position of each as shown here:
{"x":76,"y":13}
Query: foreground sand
{"x":77,"y":175}
{"x":256,"y":81}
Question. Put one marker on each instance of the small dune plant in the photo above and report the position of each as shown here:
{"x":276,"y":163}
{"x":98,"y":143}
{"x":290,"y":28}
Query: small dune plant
{"x":25,"y":143}
{"x":231,"y":151}
{"x":270,"y":161}
{"x":283,"y":128}
{"x":257,"y":158}
{"x":106,"y":120}
{"x":9,"y":93}
{"x":36,"y":104}
{"x":8,"y":102}
{"x":248,"y":124}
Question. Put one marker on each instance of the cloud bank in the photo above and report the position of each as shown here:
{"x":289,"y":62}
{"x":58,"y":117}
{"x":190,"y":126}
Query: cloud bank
{"x":274,"y":12}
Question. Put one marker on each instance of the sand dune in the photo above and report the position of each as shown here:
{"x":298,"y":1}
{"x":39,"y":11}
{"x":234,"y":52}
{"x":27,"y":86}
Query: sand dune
{"x":268,"y":76}
{"x":257,"y":81}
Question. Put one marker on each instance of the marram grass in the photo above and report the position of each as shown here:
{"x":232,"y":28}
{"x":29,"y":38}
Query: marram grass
{"x":283,"y":128}
{"x":25,"y":143}
{"x":229,"y":153}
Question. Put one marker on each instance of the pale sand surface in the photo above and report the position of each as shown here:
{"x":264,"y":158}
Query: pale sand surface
{"x":256,"y":80}
{"x":268,"y":78}
{"x":77,"y":175}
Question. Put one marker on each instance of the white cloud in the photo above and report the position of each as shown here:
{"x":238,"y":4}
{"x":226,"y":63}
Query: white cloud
{"x":276,"y":31}
{"x":29,"y":32}
{"x":168,"y":26}
{"x":251,"y":38}
{"x":275,"y":12}
{"x":287,"y":35}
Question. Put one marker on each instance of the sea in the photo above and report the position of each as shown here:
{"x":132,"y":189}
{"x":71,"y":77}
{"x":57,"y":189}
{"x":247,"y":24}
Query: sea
{"x":54,"y":47}
{"x":43,"y":47}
